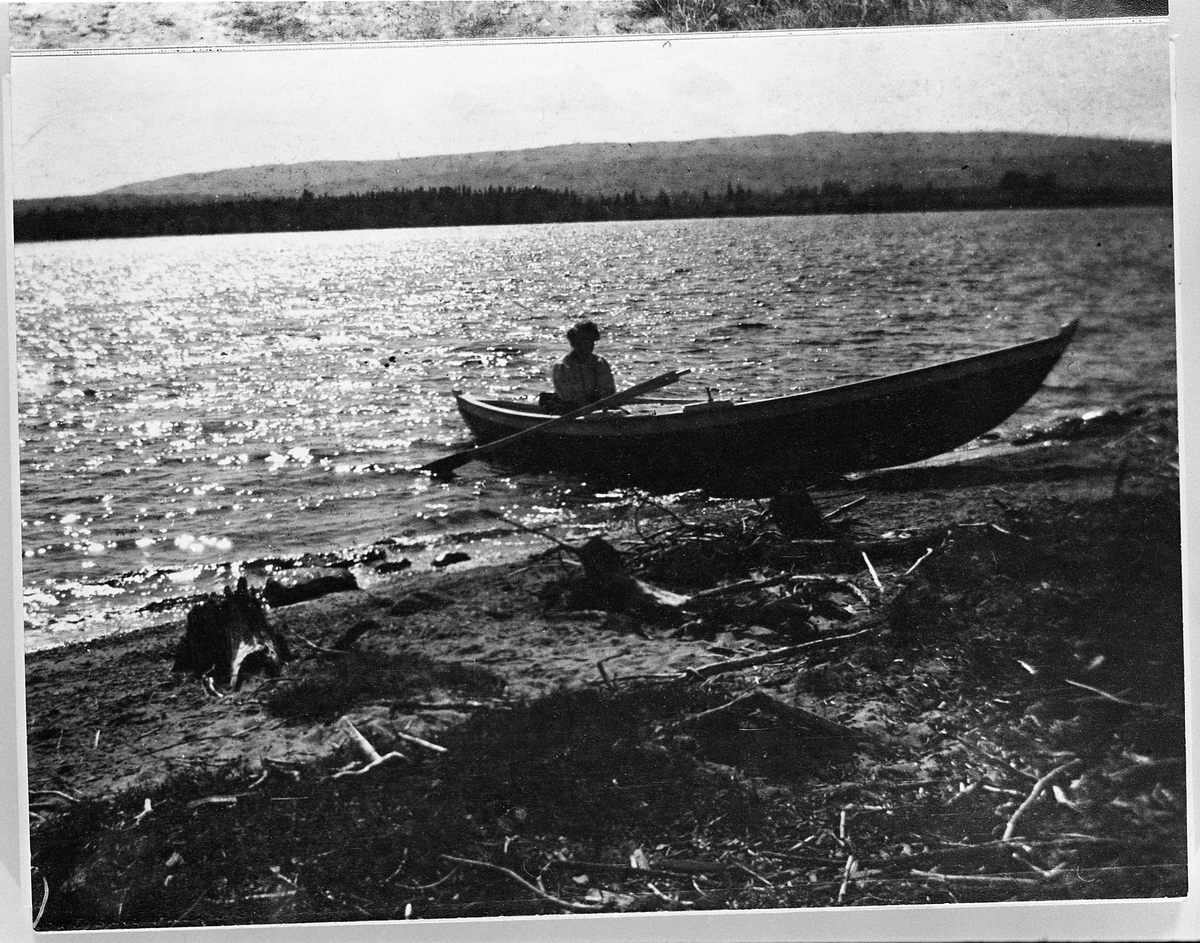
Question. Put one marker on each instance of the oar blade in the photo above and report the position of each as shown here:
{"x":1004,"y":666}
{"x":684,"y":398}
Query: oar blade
{"x":444,"y":467}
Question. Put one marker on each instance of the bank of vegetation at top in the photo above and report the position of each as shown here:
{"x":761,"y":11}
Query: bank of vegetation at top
{"x":708,"y":15}
{"x":465,"y":206}
{"x":74,"y":25}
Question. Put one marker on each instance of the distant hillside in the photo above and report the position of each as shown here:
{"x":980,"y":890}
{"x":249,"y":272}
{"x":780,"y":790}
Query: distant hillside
{"x":765,"y":164}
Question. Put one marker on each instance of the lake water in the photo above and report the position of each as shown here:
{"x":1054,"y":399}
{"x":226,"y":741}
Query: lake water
{"x":192,"y":404}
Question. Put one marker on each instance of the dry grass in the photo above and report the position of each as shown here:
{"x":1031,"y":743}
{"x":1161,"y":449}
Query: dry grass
{"x":77,"y":25}
{"x":706,"y":15}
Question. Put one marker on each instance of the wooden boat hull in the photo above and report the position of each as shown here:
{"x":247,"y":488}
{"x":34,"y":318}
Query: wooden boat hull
{"x":755,"y":447}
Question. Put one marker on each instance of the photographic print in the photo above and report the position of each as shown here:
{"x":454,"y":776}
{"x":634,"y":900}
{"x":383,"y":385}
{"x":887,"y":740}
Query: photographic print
{"x":680,"y":473}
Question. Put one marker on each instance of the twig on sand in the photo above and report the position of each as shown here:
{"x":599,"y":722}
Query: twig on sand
{"x":310,"y":644}
{"x":705,"y":595}
{"x":53,"y":792}
{"x":734,"y":664}
{"x":871,"y":568}
{"x":394,"y":755}
{"x":1048,"y":874}
{"x":421,"y":887}
{"x":798,"y":717}
{"x":847,"y":871}
{"x":663,"y":868}
{"x":854,"y":589}
{"x":741,"y":698}
{"x":557,"y":901}
{"x":604,"y":671}
{"x":969,"y":878}
{"x":920,"y":560}
{"x":434,"y":705}
{"x":364,"y":746}
{"x":754,"y":874}
{"x":1111,"y":697}
{"x":45,"y":900}
{"x":419,"y":742}
{"x":1041,"y":784}
{"x":845,"y":507}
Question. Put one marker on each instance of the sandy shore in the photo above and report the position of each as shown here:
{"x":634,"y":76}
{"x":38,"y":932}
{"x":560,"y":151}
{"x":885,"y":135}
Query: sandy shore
{"x":965,"y":615}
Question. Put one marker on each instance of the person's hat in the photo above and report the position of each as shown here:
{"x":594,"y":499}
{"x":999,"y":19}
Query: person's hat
{"x":584,"y":329}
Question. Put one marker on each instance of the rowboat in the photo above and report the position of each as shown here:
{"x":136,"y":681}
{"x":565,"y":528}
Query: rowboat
{"x":756,"y":447}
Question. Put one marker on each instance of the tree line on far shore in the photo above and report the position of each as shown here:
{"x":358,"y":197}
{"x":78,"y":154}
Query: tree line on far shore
{"x":467,"y":206}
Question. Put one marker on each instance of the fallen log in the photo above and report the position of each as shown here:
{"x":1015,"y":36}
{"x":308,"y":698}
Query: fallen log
{"x":289,"y":588}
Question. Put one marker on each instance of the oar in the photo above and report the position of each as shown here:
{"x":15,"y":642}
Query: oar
{"x":444,"y":466}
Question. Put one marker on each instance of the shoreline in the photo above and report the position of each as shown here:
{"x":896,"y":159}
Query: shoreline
{"x":945,"y":587}
{"x":501,"y":543}
{"x":172,"y":610}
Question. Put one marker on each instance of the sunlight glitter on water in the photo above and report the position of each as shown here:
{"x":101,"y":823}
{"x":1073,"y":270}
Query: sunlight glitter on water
{"x":250,"y":397}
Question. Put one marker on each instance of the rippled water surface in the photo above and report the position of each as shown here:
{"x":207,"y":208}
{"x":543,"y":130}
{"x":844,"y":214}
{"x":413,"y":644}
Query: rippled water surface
{"x":190,"y":403}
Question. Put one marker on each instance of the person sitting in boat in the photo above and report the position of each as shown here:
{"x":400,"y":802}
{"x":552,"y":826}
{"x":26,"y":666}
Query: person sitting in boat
{"x":582,"y":376}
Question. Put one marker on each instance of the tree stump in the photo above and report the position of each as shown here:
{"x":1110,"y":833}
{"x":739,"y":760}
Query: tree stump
{"x":606,"y":584}
{"x":795,"y":514}
{"x":228,"y":636}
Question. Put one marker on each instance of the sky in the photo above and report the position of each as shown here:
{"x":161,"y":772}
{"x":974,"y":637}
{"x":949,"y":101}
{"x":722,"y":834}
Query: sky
{"x":83,"y":123}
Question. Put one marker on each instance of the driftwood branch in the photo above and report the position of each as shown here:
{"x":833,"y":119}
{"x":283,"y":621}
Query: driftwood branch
{"x":387,"y":757}
{"x":795,"y":717}
{"x":45,"y":900}
{"x":364,"y":746}
{"x":704,"y":596}
{"x":665,"y":868}
{"x":920,"y":560}
{"x":871,"y":568}
{"x":557,"y":901}
{"x":1112,"y":697}
{"x":777,"y":654}
{"x":972,"y":878}
{"x":307,"y":643}
{"x":436,"y":705}
{"x":604,"y":671}
{"x":1038,"y":787}
{"x":845,"y":507}
{"x":408,"y":737}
